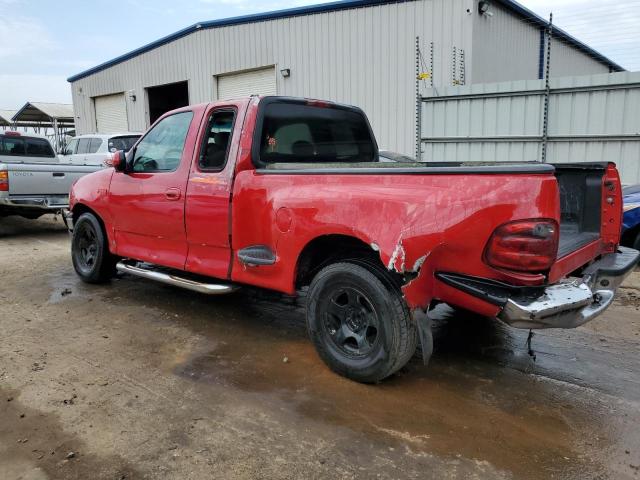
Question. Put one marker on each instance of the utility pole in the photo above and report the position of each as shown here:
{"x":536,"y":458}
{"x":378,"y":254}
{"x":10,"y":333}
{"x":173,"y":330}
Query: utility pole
{"x":547,"y":92}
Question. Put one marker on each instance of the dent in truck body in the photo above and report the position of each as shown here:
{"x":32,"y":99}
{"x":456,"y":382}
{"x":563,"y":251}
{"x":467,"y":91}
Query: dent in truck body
{"x":414,"y":232}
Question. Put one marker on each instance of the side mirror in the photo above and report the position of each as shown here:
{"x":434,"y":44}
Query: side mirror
{"x":118,"y":160}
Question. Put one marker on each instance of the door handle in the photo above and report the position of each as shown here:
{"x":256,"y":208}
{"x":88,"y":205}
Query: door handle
{"x":173,"y":194}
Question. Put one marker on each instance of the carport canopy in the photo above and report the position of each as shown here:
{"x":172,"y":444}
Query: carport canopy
{"x":6,"y":116}
{"x":58,"y":116}
{"x":45,"y":114}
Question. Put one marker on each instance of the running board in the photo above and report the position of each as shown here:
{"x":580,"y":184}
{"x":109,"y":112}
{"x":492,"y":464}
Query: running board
{"x":206,"y":288}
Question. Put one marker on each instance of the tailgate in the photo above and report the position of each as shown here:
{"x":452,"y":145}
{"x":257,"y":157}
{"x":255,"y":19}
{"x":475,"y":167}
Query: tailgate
{"x":590,"y":213}
{"x":44,"y":179}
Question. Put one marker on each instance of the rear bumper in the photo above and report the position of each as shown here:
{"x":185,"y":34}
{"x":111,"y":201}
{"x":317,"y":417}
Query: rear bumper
{"x":567,"y":304}
{"x":41,"y":202}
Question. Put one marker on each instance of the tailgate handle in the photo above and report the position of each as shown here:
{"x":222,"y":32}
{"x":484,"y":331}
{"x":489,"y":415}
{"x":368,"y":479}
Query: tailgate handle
{"x":58,"y":174}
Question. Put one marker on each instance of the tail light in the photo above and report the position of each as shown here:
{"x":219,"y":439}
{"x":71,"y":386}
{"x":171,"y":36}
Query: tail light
{"x":524,"y":245}
{"x":4,"y":181}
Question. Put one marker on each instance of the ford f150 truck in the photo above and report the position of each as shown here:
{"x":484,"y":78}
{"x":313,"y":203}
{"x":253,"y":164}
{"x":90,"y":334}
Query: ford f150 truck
{"x":32,"y":181}
{"x":290,"y":195}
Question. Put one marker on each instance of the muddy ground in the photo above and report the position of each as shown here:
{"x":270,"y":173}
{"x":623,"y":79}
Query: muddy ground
{"x":136,"y":380}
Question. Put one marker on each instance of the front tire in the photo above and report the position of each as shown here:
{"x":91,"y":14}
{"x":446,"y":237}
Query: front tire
{"x":90,"y":252}
{"x":359,"y":323}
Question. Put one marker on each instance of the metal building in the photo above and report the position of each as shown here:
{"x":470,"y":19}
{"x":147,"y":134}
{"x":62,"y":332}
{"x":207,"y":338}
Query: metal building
{"x":361,"y":52}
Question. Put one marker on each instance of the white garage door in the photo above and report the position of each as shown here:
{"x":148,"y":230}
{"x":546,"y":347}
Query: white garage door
{"x":255,"y":82}
{"x":111,"y":113}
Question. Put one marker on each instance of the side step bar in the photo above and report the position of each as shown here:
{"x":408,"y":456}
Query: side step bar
{"x":206,"y":288}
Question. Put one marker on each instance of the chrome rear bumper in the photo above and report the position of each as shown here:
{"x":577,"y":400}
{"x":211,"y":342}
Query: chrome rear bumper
{"x":574,"y":302}
{"x":44,"y":202}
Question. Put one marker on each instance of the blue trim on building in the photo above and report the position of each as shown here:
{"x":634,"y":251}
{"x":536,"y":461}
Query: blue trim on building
{"x":541,"y":55}
{"x":322,"y":8}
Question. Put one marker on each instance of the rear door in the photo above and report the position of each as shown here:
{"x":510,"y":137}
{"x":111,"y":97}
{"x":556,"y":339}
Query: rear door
{"x":147,"y":203}
{"x":207,"y":210}
{"x":81,"y":151}
{"x":95,"y":153}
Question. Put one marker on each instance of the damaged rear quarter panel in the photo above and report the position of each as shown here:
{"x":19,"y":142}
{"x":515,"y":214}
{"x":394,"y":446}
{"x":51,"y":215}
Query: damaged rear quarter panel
{"x":418,"y":223}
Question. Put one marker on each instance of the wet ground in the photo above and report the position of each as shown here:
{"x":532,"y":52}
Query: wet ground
{"x":138,"y":380}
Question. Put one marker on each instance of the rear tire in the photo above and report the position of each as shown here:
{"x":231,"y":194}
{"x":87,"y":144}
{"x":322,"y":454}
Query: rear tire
{"x":360,"y":326}
{"x":90,"y":251}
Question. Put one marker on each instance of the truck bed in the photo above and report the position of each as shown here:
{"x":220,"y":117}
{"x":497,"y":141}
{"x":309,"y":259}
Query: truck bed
{"x":580,"y":204}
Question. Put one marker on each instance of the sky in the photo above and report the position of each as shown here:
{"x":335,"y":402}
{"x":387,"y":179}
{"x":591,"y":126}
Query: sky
{"x":43,"y":42}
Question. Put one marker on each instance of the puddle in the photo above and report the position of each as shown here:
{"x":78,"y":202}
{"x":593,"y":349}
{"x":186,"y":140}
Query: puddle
{"x":482,"y":398}
{"x":458,"y":406}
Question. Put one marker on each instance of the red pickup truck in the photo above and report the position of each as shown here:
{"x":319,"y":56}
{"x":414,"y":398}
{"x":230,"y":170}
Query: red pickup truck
{"x":292,"y":195}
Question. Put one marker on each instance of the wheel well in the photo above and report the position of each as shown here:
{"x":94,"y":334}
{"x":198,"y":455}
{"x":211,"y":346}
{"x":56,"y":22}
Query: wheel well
{"x":80,"y":209}
{"x":329,"y":249}
{"x":629,"y":236}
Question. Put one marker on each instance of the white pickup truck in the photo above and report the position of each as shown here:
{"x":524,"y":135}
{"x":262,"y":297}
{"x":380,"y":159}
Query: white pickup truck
{"x":33,"y":182}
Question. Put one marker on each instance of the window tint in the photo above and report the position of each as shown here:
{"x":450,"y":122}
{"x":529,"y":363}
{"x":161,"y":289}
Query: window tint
{"x":161,"y":149}
{"x":94,"y":145}
{"x":39,"y":147}
{"x":294,"y":132}
{"x":122,"y":143}
{"x":215,"y":149}
{"x":83,"y":145}
{"x":13,"y":146}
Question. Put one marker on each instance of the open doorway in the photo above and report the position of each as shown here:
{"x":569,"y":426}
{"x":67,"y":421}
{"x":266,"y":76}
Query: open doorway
{"x":166,"y":97}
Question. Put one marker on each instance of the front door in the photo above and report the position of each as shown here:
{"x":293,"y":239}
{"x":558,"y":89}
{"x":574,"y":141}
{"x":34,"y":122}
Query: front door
{"x":147,"y":202}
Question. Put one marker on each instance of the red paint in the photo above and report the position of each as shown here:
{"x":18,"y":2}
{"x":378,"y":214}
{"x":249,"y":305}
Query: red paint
{"x":196,"y":220}
{"x":611,"y":209}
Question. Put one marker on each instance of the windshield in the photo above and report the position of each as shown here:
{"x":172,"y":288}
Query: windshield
{"x":122,"y":143}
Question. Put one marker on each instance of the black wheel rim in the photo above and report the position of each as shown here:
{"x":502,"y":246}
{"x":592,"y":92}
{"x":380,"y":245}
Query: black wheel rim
{"x":351,"y":322}
{"x":87,"y":247}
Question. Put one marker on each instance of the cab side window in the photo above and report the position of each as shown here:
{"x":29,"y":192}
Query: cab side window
{"x":94,"y":145}
{"x":215,"y":149}
{"x":83,"y":145}
{"x":71,"y":148}
{"x":161,"y":149}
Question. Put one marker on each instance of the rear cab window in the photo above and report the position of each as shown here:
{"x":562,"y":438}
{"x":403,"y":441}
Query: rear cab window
{"x":293,"y":132}
{"x":25,"y":147}
{"x":13,"y":146}
{"x":38,"y":147}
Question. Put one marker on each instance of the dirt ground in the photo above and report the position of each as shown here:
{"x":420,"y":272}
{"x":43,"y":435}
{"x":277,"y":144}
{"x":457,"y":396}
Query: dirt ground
{"x":136,"y":380}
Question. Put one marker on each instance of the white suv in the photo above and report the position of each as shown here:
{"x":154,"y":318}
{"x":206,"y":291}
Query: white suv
{"x":94,"y":149}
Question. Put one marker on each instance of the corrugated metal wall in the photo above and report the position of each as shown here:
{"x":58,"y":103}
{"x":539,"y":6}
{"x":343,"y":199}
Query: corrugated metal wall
{"x":507,"y":47}
{"x":566,"y":60}
{"x":591,"y":118}
{"x":363,"y":56}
